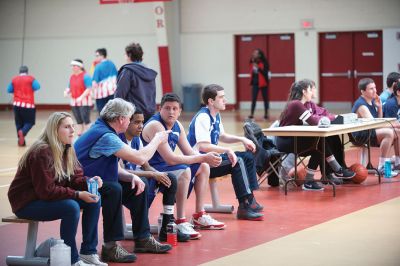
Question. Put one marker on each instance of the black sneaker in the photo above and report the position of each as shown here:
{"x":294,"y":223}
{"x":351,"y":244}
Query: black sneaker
{"x":334,"y":179}
{"x":245,"y":213}
{"x":255,"y":206}
{"x":150,"y":245}
{"x":345,"y":173}
{"x":181,"y":237}
{"x":312,"y":186}
{"x":117,"y":254}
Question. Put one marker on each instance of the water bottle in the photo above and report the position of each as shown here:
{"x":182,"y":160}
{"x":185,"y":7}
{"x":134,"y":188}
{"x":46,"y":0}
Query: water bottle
{"x":93,"y":187}
{"x":60,"y":254}
{"x":388,"y":169}
{"x":172,"y":237}
{"x":159,"y":224}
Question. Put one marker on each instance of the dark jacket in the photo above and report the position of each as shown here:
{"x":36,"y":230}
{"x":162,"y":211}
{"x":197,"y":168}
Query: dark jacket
{"x":136,"y":84}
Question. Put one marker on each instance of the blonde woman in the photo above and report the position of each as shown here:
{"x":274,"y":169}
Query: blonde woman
{"x":49,"y":185}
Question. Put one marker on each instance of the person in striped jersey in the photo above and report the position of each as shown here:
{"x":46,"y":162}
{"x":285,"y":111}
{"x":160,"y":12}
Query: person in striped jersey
{"x":23,"y":87}
{"x":79,"y":90}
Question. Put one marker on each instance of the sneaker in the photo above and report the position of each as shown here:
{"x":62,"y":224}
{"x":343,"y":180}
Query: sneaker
{"x":245,"y":213}
{"x":255,"y":206}
{"x":150,"y":245}
{"x":116,"y":254}
{"x":187,"y":228}
{"x":334,"y":179}
{"x":345,"y":173}
{"x":81,"y":263}
{"x":250,"y":117}
{"x":181,"y":237}
{"x":21,"y":138}
{"x":312,"y":186}
{"x":93,"y":259}
{"x":205,"y":221}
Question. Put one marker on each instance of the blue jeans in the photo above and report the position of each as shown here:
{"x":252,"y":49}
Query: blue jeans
{"x":244,"y":178}
{"x":100,"y":103}
{"x":68,"y":211}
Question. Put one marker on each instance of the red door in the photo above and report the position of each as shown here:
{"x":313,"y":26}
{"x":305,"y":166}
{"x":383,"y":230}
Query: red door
{"x":281,"y":60}
{"x":336,"y":66}
{"x":245,"y":45}
{"x":368,"y":58}
{"x":345,"y":58}
{"x":279,"y":51}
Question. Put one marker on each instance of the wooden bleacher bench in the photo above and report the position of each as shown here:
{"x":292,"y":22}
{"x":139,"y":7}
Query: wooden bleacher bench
{"x":29,"y":257}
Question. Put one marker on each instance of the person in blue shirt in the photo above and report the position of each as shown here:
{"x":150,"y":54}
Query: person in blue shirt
{"x":392,"y":105}
{"x":98,"y":151}
{"x":163,"y":182}
{"x":369,"y":105}
{"x":104,"y":79}
{"x":391,"y":81}
{"x":206,"y":131}
{"x":191,"y":168}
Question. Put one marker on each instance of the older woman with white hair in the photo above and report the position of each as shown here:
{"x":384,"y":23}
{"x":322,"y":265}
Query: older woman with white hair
{"x":49,"y":185}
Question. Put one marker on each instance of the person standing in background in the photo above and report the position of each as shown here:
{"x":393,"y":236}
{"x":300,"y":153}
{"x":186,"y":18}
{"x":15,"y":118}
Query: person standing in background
{"x":259,"y":80}
{"x":104,"y":79}
{"x":136,"y":82}
{"x":23,"y":87}
{"x":79,"y":90}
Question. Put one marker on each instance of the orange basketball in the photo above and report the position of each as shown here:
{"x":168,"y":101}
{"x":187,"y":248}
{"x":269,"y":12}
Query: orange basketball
{"x":361,"y":173}
{"x":301,"y":175}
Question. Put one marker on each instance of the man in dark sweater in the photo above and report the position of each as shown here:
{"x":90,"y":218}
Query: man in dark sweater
{"x":136,"y":82}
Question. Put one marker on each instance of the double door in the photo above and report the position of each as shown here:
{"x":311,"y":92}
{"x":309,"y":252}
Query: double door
{"x":345,"y":58}
{"x":279,"y":51}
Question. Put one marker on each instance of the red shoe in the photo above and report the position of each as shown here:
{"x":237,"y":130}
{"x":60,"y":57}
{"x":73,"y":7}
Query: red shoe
{"x":202,"y":220}
{"x":21,"y":138}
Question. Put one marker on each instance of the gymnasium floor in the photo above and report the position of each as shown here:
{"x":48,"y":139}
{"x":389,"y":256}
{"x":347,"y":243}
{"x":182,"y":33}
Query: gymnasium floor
{"x":360,"y":226}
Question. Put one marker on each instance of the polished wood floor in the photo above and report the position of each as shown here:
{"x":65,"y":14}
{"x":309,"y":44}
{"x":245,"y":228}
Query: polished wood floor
{"x":360,"y":226}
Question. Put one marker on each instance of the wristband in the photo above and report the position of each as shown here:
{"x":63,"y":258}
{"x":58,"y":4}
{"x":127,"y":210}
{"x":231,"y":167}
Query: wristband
{"x":76,"y":194}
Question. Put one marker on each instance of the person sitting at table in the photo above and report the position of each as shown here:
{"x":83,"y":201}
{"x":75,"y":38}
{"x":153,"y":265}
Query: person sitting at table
{"x":369,"y":105}
{"x":297,"y":113}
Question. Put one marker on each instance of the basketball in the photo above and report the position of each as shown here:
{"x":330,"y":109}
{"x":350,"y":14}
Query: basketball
{"x":361,"y":173}
{"x":301,"y":174}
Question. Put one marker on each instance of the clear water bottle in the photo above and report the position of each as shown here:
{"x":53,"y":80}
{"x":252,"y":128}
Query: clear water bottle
{"x":172,"y":234}
{"x":93,"y":187}
{"x":159,"y":224}
{"x":388,"y":169}
{"x":60,"y":254}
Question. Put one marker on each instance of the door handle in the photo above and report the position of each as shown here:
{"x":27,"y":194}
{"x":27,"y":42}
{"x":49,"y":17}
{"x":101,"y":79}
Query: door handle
{"x":339,"y":74}
{"x":244,"y":75}
{"x":374,"y":74}
{"x":281,"y":75}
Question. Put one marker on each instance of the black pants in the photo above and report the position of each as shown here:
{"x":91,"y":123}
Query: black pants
{"x":100,"y":103}
{"x":244,"y":178}
{"x":307,"y":146}
{"x":24,"y":118}
{"x":264,"y":92}
{"x":137,"y":207}
{"x":169,"y":193}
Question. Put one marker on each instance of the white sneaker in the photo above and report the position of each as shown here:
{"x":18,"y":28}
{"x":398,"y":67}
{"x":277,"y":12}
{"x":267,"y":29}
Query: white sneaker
{"x":187,"y":228}
{"x":81,"y":263}
{"x":93,"y":259}
{"x":207,"y":222}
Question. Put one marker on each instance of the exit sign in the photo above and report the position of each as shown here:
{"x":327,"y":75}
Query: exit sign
{"x":307,"y":24}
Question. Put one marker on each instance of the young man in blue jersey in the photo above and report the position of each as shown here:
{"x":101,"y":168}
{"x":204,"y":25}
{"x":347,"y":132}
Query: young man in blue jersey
{"x":165,"y":183}
{"x":205,"y":132}
{"x":369,"y":105}
{"x":104,"y":79}
{"x":190,"y":168}
{"x":98,"y":151}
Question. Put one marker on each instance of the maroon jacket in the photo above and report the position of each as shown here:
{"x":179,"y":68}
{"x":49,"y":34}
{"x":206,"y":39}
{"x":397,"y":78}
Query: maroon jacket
{"x":36,"y":181}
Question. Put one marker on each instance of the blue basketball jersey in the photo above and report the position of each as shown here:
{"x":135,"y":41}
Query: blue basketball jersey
{"x":214,"y":129}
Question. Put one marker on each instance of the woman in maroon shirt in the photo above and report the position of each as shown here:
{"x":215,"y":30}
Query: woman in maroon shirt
{"x":299,"y":111}
{"x":49,"y":185}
